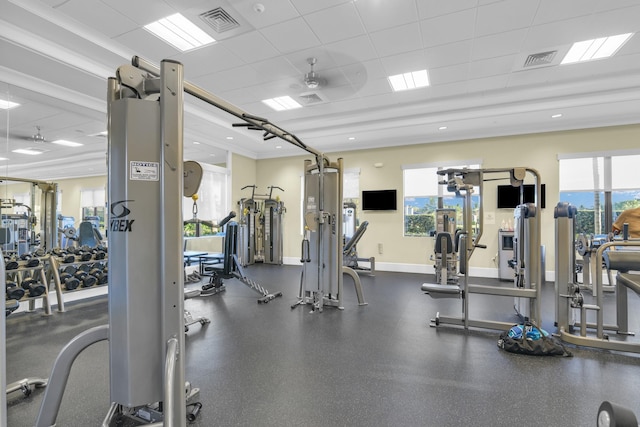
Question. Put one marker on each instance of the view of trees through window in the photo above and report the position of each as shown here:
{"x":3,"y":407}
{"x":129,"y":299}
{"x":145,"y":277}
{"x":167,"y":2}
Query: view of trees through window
{"x":421,"y":195}
{"x":583,"y":182}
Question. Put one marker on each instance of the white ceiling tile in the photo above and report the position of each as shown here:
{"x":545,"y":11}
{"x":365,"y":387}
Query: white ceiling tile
{"x":207,"y":60}
{"x":141,"y":11}
{"x":553,"y":11}
{"x":291,"y":36}
{"x":336,"y":23}
{"x":534,"y":76}
{"x":498,"y":44}
{"x":378,"y":15}
{"x":557,"y":33}
{"x":487,"y":83}
{"x":151,"y":47}
{"x":404,"y":63}
{"x":448,"y":28}
{"x":604,"y":5}
{"x":251,"y":47}
{"x":309,"y":6}
{"x":450,"y":74}
{"x":618,"y":21}
{"x":491,"y":67}
{"x":505,"y":16}
{"x":275,"y":69}
{"x":432,"y":8}
{"x":449,"y":54}
{"x":397,"y":40}
{"x":275,"y":11}
{"x":98,"y":16}
{"x":356,"y":49}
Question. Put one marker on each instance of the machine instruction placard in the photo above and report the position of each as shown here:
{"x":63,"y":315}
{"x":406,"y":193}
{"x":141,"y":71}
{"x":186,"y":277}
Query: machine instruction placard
{"x":144,"y":171}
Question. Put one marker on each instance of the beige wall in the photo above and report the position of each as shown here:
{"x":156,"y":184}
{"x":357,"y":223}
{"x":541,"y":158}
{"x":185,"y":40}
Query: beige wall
{"x":243,"y":173}
{"x":538,"y":151}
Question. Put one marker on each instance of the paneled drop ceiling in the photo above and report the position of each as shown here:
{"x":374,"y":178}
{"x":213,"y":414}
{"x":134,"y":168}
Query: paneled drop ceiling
{"x":55,"y":56}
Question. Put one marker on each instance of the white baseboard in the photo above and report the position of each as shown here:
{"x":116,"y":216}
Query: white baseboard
{"x":491,"y":273}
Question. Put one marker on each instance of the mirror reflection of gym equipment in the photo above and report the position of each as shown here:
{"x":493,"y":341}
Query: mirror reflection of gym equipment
{"x":527,"y":276}
{"x":260,"y":227}
{"x":353,"y":231}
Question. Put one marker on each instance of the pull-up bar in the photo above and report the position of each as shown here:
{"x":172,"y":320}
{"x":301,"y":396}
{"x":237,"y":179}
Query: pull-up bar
{"x":251,"y":122}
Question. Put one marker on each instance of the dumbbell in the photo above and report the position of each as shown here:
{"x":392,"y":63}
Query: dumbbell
{"x":34,"y":287}
{"x":70,"y":269}
{"x":10,"y":264}
{"x":70,"y":283}
{"x":68,"y":258}
{"x":14,"y":291}
{"x":99,"y":255}
{"x":10,"y":305}
{"x":84,"y":255}
{"x":86,"y":280}
{"x":96,"y":272}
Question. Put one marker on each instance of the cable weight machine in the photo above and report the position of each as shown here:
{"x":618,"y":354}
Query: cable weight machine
{"x":260,"y":232}
{"x":527,"y":284}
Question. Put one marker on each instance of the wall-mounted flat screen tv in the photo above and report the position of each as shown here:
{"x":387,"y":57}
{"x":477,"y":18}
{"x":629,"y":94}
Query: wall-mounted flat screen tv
{"x":379,"y":200}
{"x":509,"y":196}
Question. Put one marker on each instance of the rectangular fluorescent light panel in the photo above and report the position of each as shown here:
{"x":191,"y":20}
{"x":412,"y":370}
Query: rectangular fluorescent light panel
{"x":282,"y":103}
{"x":406,"y":81}
{"x":179,"y":32}
{"x":5,"y":105}
{"x":588,"y":50}
{"x":30,"y":151}
{"x":66,"y":143}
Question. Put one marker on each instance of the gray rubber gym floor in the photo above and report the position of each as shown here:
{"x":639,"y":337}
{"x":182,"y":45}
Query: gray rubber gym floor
{"x":376,"y":365}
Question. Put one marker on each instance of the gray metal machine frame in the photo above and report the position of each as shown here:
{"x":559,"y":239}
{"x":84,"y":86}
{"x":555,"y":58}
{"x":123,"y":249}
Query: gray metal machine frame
{"x":569,"y":299}
{"x":145,"y":121}
{"x":462,"y":182}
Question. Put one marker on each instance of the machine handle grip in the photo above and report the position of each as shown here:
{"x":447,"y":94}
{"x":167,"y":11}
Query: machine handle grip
{"x":481,"y":246}
{"x":226,"y":219}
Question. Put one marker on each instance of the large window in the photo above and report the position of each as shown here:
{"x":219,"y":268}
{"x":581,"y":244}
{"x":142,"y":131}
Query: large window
{"x":212,"y":199}
{"x":586,"y":181}
{"x":92,"y":204}
{"x":423,"y":195}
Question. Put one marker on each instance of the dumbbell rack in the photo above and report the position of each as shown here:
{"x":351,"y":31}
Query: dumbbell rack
{"x":57,"y":265}
{"x":39,"y":271}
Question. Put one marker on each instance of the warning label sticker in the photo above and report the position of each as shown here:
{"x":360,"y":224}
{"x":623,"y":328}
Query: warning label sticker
{"x":144,"y":171}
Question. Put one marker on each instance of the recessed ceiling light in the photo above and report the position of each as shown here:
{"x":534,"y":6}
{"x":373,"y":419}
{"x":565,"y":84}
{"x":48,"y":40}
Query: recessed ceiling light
{"x":196,"y":143}
{"x":179,"y":32}
{"x":442,"y":128}
{"x":5,"y":105}
{"x":412,"y":80}
{"x":352,"y":138}
{"x":3,"y":158}
{"x":212,"y":155}
{"x":278,"y":146}
{"x":66,"y":143}
{"x":30,"y":151}
{"x":229,"y":137}
{"x":602,"y":47}
{"x":282,"y":103}
{"x":555,"y":116}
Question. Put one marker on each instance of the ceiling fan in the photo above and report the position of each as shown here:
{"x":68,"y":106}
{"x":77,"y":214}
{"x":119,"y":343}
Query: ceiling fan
{"x":36,"y":138}
{"x":311,"y":79}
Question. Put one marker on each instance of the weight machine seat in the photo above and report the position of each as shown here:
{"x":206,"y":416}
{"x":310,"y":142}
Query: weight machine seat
{"x":631,"y":281}
{"x":5,"y":236}
{"x":86,"y":235}
{"x":622,"y":260}
{"x":355,"y":238}
{"x":441,"y":291}
{"x":443,"y":235}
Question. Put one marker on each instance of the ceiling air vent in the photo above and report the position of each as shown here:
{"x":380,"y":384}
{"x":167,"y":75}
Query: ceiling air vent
{"x":310,"y":98}
{"x":538,"y":59}
{"x":220,"y":20}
